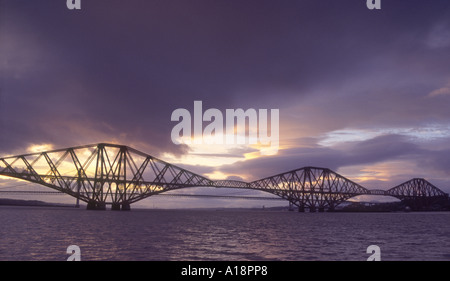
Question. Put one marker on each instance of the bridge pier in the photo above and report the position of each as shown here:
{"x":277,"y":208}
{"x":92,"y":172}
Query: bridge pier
{"x":93,"y":205}
{"x":301,"y":209}
{"x":119,"y":207}
{"x":321,"y":209}
{"x":115,"y":207}
{"x":126,"y":207}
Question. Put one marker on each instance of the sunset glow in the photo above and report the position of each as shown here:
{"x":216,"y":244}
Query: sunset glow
{"x":370,"y":103}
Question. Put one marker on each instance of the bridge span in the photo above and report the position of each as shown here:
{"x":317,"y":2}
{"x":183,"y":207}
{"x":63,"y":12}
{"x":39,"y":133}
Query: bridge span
{"x":117,"y":175}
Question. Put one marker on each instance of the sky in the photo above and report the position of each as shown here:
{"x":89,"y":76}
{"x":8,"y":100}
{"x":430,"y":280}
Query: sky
{"x":363,"y":92}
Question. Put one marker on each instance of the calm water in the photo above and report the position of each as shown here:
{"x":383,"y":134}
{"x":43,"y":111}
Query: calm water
{"x":33,"y":233}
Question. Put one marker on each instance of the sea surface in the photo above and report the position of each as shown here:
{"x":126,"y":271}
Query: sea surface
{"x":45,"y":233}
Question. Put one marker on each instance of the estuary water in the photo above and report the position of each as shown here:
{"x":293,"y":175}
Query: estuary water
{"x":41,"y":233}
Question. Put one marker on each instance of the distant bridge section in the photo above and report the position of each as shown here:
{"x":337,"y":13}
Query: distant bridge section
{"x":418,"y":194}
{"x":378,"y":192}
{"x":117,"y":175}
{"x":311,"y":187}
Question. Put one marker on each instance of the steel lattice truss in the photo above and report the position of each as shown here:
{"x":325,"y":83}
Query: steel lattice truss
{"x":415,"y":188}
{"x":103,"y":174}
{"x":418,"y":193}
{"x":311,"y":187}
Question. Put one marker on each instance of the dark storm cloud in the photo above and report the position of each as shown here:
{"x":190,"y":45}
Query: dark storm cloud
{"x":115,"y":70}
{"x":372,"y":151}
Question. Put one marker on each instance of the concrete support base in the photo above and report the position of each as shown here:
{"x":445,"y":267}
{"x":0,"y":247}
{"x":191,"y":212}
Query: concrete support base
{"x":120,"y":207}
{"x":93,"y":205}
{"x":115,"y":207}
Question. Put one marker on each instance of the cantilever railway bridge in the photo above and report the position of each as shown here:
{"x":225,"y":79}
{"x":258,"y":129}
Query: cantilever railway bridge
{"x":117,"y":175}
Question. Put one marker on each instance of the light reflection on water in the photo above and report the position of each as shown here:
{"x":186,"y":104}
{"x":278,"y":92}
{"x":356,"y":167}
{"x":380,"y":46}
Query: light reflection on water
{"x":33,"y":233}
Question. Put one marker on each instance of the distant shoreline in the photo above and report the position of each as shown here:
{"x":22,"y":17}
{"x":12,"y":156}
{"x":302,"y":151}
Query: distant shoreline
{"x":31,"y":203}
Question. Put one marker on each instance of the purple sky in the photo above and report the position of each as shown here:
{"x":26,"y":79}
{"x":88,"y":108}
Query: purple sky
{"x":363,"y":92}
